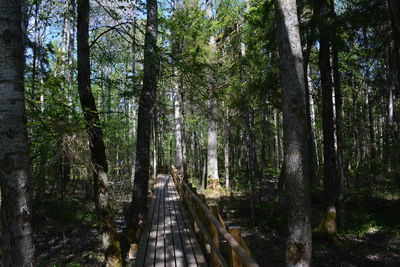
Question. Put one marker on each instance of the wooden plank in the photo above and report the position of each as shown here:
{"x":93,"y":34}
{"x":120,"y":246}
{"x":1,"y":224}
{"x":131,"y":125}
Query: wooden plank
{"x":186,"y":244}
{"x":151,"y":246}
{"x":169,"y":238}
{"x":177,"y":239}
{"x":198,"y":254}
{"x":141,"y":253}
{"x":193,"y":252}
{"x":171,"y":241}
{"x":160,"y":243}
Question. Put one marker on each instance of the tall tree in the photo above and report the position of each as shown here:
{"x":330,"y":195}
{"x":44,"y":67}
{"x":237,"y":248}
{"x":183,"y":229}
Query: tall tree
{"x":97,"y":148}
{"x":340,"y":181}
{"x":178,"y":131}
{"x":16,"y":228}
{"x":298,"y":250}
{"x":138,"y":207}
{"x":329,"y":223}
{"x":212,"y":145}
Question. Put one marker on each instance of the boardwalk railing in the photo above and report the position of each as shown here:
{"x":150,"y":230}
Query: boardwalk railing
{"x":209,"y":225}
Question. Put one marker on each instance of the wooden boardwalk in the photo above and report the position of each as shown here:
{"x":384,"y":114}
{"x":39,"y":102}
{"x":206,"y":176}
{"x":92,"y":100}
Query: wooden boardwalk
{"x":170,"y":239}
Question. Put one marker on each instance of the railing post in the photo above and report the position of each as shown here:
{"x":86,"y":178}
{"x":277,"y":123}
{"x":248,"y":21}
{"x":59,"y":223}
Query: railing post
{"x":214,"y":236}
{"x":234,"y":257}
{"x":202,"y":218}
{"x":190,"y":200}
{"x":195,"y":207}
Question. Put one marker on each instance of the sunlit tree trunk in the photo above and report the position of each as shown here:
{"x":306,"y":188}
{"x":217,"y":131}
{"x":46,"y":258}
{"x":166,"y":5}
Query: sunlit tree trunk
{"x":212,"y":143}
{"x":212,"y":156}
{"x":154,"y":135}
{"x":16,"y":231}
{"x":184,"y":139}
{"x":308,"y":97}
{"x":298,"y":245}
{"x":227,"y":149}
{"x":312,"y":117}
{"x":178,"y":131}
{"x":110,"y":240}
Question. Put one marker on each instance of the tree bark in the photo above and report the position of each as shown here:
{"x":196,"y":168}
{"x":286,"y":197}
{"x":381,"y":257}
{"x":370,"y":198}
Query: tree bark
{"x":298,"y":244}
{"x":394,"y":13}
{"x":340,"y":181}
{"x":328,"y":224}
{"x":16,"y":231}
{"x":212,"y":145}
{"x":251,"y":159}
{"x":154,"y":135}
{"x":178,"y":130}
{"x":212,"y":155}
{"x":226,"y":149}
{"x":308,"y":97}
{"x":111,"y":244}
{"x":138,"y":207}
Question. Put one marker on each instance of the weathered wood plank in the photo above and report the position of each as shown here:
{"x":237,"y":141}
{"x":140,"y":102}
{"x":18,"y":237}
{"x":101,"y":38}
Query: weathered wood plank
{"x":177,"y":239}
{"x":171,"y":241}
{"x":169,"y":234}
{"x":141,"y":253}
{"x":186,"y":244}
{"x":160,"y":244}
{"x":151,"y":246}
{"x":197,"y":252}
{"x":193,"y":252}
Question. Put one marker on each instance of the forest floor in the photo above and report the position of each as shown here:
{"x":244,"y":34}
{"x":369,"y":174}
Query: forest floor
{"x":66,"y":233}
{"x":370,"y":238}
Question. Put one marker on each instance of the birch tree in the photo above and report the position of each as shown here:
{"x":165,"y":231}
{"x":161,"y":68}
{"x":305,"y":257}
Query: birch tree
{"x":16,"y":231}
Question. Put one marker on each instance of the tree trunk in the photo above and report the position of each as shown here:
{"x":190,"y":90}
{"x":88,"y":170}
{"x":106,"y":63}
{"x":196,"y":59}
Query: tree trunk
{"x":308,"y":97}
{"x":204,"y":173}
{"x":312,"y":118}
{"x":212,"y":155}
{"x":340,"y":182}
{"x":251,"y":160}
{"x":298,"y":245}
{"x":111,"y":244}
{"x":328,"y":225}
{"x":154,"y":133}
{"x":138,"y":207}
{"x":212,"y":143}
{"x":16,"y":231}
{"x":184,"y":154}
{"x":226,"y":149}
{"x":394,"y":12}
{"x":178,"y":131}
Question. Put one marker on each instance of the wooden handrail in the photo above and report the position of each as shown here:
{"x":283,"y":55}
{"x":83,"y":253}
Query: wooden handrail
{"x":203,"y":229}
{"x":245,"y":258}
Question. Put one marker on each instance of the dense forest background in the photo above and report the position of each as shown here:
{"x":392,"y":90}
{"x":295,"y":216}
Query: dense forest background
{"x":217,"y":116}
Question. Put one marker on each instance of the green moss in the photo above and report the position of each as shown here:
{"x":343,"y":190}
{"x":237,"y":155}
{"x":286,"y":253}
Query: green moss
{"x":295,"y":252}
{"x":327,"y":229}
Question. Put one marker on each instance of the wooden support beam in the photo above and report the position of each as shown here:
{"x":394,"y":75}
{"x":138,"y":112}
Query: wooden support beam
{"x":214,"y":236}
{"x":234,"y":257}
